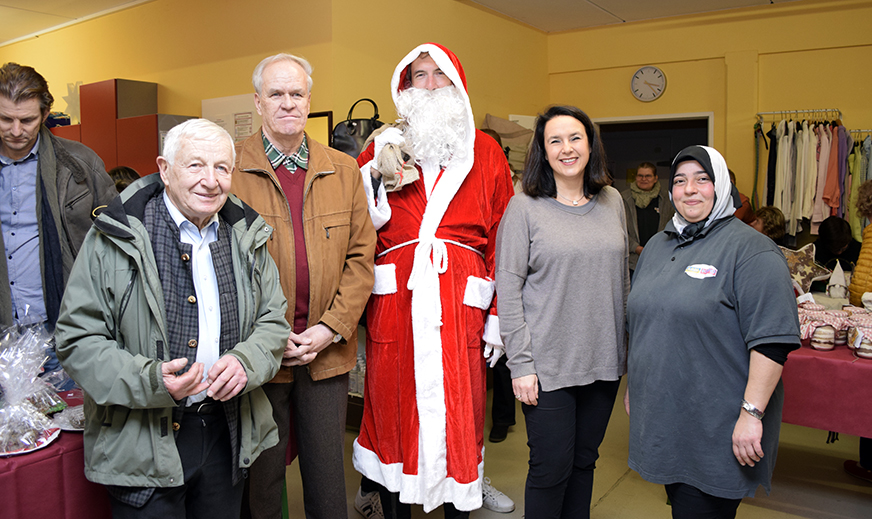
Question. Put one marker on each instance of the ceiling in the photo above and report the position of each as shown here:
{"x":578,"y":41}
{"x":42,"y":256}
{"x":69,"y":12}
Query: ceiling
{"x":564,"y":15}
{"x":24,"y":19}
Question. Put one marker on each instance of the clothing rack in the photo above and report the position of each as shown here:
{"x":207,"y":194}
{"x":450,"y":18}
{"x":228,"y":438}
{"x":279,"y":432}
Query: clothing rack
{"x":823,"y":113}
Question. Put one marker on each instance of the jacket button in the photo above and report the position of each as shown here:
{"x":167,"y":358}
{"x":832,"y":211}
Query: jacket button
{"x":192,"y":343}
{"x":176,"y":427}
{"x":192,"y":299}
{"x":245,"y":460}
{"x":186,"y":257}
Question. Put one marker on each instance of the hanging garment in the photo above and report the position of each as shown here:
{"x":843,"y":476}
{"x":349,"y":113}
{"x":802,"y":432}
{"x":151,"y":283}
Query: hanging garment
{"x":831,"y":188}
{"x":771,"y":168}
{"x":810,"y":173}
{"x":821,"y":211}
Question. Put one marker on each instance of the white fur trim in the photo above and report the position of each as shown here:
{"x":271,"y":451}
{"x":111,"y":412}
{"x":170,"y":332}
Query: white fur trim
{"x":379,"y":212}
{"x":385,"y":279}
{"x":415,"y":489}
{"x":492,"y":331}
{"x":479,"y":292}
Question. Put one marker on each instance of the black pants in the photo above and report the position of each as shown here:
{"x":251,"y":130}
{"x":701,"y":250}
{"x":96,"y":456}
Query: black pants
{"x":503,"y":409}
{"x":204,"y":446}
{"x":866,"y":453}
{"x":689,"y":502}
{"x":564,"y":433}
{"x":392,"y":507}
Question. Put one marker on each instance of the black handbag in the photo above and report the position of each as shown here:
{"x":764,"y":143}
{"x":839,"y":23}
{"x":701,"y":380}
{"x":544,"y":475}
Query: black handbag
{"x":350,"y":134}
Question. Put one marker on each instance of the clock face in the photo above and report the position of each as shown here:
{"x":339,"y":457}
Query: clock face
{"x":648,"y":83}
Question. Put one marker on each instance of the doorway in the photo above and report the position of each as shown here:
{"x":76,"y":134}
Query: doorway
{"x":631,"y":141}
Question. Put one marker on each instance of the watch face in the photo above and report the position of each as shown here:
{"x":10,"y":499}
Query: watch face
{"x":648,"y":83}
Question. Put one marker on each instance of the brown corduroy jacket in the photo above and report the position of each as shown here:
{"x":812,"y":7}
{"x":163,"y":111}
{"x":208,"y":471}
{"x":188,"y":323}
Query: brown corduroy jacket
{"x":340,"y":242}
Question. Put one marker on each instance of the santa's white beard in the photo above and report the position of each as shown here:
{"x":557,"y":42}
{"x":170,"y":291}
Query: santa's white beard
{"x":435,"y":123}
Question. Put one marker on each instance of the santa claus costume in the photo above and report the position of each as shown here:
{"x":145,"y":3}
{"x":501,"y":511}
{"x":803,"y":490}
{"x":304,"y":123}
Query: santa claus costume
{"x":422,"y":433}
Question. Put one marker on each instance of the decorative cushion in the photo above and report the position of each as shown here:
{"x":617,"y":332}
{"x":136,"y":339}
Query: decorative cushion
{"x":802,"y":267}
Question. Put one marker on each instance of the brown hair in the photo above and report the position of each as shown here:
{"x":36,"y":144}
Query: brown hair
{"x":864,"y":199}
{"x":773,"y":221}
{"x":20,"y":83}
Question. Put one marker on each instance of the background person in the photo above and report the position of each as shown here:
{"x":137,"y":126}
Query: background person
{"x":648,"y":209}
{"x":123,"y":176}
{"x":51,"y":189}
{"x":835,"y":242}
{"x":562,"y":284}
{"x":172,"y":320}
{"x":770,"y":221}
{"x":712,"y":317}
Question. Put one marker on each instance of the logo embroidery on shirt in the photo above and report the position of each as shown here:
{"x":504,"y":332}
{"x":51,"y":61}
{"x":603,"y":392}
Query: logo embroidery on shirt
{"x":701,"y":271}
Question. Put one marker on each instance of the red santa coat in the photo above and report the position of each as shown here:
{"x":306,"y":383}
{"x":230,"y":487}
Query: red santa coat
{"x":422,"y":433}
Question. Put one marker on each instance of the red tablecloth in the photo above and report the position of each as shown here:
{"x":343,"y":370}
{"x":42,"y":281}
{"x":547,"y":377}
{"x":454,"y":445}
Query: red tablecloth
{"x":50,"y":483}
{"x":828,"y":390}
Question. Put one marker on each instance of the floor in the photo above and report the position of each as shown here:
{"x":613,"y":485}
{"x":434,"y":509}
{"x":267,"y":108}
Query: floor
{"x":809,"y":481}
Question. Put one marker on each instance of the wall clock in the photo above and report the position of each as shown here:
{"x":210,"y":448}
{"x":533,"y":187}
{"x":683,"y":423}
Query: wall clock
{"x":648,"y":83}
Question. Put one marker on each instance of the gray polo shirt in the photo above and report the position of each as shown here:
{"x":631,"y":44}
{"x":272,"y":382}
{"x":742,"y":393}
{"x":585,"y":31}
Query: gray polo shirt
{"x":694,"y":312}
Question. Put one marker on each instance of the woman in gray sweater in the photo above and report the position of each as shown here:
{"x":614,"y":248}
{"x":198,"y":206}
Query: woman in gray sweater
{"x":562,"y":284}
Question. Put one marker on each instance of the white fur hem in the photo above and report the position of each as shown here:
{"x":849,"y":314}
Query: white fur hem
{"x":413,"y":489}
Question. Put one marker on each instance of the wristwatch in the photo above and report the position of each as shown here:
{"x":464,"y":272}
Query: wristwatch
{"x":751,"y":410}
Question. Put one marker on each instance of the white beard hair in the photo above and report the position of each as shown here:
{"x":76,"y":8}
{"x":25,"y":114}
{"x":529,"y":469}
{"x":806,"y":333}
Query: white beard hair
{"x":434,"y":123}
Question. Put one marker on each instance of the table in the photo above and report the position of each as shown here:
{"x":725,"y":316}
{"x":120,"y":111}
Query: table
{"x":50,"y":483}
{"x":828,"y":390}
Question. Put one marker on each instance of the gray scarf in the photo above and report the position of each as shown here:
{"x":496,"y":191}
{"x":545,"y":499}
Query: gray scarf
{"x":643,"y":198}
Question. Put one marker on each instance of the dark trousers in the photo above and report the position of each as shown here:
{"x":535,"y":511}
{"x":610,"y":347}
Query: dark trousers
{"x":392,"y":507}
{"x":689,"y":502}
{"x":564,"y":433}
{"x":503,"y":409}
{"x":204,"y":446}
{"x":866,"y":453}
{"x":319,"y":423}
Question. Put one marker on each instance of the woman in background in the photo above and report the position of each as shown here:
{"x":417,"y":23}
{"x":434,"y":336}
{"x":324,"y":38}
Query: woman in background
{"x":562,"y":283}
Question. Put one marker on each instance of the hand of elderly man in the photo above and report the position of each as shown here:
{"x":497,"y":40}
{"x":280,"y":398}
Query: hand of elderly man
{"x":226,"y":378}
{"x":303,"y":348}
{"x":186,"y":384}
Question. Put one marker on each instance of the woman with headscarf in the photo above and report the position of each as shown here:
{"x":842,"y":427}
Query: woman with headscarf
{"x":711,"y":317}
{"x":562,"y":284}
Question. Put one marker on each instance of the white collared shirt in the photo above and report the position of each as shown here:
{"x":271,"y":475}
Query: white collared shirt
{"x":205,"y":286}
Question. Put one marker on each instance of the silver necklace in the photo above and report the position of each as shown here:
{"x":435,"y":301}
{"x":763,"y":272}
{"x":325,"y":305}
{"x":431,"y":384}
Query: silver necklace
{"x":573,"y":202}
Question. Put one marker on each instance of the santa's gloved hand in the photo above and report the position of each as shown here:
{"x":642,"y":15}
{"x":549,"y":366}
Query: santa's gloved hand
{"x":391,"y":135}
{"x":493,"y":352}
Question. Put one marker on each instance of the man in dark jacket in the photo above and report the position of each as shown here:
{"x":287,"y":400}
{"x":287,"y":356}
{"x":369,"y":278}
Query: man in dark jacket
{"x":51,"y":189}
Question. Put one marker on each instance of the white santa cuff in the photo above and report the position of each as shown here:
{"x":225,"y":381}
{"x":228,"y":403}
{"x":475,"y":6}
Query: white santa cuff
{"x":492,"y":331}
{"x":380,"y":211}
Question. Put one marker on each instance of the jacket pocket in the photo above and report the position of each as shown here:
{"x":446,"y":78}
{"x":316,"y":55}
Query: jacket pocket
{"x":479,"y":292}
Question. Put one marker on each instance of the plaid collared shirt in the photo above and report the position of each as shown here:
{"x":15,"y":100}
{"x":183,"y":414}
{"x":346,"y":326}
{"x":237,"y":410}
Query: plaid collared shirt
{"x":277,"y":158}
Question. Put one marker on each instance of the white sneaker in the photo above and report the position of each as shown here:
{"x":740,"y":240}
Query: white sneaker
{"x":492,"y":499}
{"x":369,"y":505}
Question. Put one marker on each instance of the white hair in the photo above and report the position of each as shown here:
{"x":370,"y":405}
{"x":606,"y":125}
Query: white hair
{"x":194,"y":129}
{"x":257,"y":76}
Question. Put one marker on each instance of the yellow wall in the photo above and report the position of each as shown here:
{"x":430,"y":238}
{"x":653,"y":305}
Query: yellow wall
{"x":808,"y":54}
{"x":201,"y":49}
{"x":787,"y":56}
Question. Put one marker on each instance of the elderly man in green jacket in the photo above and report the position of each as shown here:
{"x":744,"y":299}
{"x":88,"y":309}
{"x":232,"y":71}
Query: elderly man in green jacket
{"x":172,"y":320}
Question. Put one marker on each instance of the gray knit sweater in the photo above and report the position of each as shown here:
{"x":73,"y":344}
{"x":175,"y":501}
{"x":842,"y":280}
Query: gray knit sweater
{"x":562,"y":283}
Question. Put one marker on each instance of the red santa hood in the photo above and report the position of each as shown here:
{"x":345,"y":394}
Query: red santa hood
{"x":449,"y":64}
